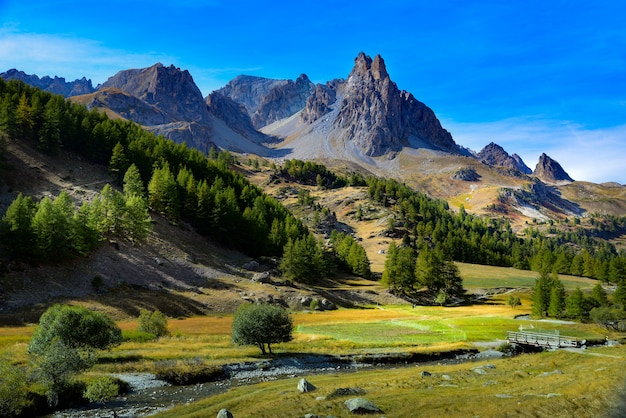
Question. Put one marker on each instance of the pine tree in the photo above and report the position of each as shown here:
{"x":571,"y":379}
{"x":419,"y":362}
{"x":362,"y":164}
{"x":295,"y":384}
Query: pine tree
{"x":114,"y":210}
{"x":541,"y":295}
{"x":17,"y":227}
{"x":137,"y":221}
{"x":557,"y":299}
{"x":575,"y":305}
{"x":163,"y":193}
{"x":133,"y":184}
{"x":599,"y":297}
{"x":43,"y":228}
{"x":118,"y":164}
{"x":23,"y":118}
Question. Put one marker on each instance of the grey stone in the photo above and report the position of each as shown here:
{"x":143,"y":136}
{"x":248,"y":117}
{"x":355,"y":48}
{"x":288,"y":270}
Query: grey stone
{"x":479,"y":370}
{"x":262,"y":277}
{"x":327,"y":305}
{"x":305,"y":386}
{"x":224,"y":413}
{"x":346,"y":392}
{"x":362,"y":406}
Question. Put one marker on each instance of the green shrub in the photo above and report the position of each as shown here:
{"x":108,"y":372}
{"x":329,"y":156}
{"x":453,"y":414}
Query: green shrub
{"x":102,"y":389}
{"x":153,"y":323}
{"x":13,"y":388}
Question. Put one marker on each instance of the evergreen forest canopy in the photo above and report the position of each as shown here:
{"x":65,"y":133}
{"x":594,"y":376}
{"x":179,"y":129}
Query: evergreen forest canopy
{"x":183,"y":184}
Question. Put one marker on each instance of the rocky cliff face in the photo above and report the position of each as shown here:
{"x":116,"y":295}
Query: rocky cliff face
{"x":374,"y":114}
{"x":494,"y":154}
{"x":166,"y":101}
{"x":249,"y":90}
{"x":282,"y":101}
{"x":550,"y":171}
{"x":56,"y":85}
{"x":170,"y":89}
{"x":267,"y":100}
{"x":234,"y":115}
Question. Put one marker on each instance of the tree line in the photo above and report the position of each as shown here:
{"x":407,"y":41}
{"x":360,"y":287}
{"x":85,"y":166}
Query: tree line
{"x":181,"y":183}
{"x":427,"y":222}
{"x":550,"y":299}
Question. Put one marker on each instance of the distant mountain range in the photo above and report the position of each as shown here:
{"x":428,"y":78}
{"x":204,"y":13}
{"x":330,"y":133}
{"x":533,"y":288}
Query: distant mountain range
{"x":365,"y":115}
{"x":364,"y":122}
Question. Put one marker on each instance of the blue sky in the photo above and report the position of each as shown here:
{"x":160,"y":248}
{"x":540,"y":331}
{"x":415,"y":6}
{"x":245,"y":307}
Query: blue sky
{"x":532,"y":76}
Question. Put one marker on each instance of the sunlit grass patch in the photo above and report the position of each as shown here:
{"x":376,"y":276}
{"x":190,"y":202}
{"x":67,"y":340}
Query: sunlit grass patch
{"x":479,"y":276}
{"x":10,"y":336}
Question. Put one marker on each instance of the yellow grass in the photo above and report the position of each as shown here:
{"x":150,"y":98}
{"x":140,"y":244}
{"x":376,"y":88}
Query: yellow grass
{"x":553,"y":384}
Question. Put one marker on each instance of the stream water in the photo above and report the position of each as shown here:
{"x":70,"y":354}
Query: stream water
{"x":148,"y":395}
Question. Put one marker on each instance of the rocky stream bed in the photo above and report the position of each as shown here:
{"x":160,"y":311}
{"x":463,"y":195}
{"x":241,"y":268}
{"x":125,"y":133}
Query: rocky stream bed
{"x":149,"y":395}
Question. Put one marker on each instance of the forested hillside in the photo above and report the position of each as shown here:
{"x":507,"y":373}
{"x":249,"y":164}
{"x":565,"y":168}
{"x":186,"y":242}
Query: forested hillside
{"x":203,"y":191}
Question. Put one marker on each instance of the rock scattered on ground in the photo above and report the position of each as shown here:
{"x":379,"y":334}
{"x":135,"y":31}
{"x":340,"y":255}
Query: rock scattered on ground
{"x":362,"y":406}
{"x":224,"y":413}
{"x":305,"y":386}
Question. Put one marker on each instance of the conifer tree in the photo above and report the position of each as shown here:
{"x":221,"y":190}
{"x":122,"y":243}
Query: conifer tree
{"x":118,"y":164}
{"x":133,"y":184}
{"x":575,"y":304}
{"x":17,"y":227}
{"x":556,"y":304}
{"x":163,"y":193}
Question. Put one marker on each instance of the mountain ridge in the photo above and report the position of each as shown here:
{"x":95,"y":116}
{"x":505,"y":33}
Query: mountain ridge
{"x":362,"y":121}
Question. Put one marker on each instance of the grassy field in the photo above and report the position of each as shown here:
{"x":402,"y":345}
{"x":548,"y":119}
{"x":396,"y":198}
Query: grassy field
{"x":551,"y":384}
{"x":477,"y":276}
{"x":548,"y":384}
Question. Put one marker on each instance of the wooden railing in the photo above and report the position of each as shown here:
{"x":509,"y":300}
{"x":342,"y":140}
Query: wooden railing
{"x":541,"y":340}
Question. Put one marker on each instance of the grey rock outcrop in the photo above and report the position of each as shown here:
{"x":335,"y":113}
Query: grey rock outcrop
{"x":466,"y":174}
{"x":362,"y":406}
{"x":234,"y":115}
{"x":550,"y":171}
{"x":266,"y":100}
{"x":319,"y":102}
{"x":305,"y":386}
{"x":282,"y":101}
{"x":493,"y":154}
{"x":375,"y":115}
{"x":224,"y":413}
{"x":129,"y":107}
{"x":168,"y":88}
{"x":56,"y":85}
{"x":249,"y":90}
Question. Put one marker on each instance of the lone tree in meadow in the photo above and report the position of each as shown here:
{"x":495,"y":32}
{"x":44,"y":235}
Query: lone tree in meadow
{"x":262,"y":324}
{"x":66,"y":341}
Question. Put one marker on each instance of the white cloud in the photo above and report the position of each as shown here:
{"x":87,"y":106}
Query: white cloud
{"x":73,"y":58}
{"x":595,"y":155}
{"x":68,"y":57}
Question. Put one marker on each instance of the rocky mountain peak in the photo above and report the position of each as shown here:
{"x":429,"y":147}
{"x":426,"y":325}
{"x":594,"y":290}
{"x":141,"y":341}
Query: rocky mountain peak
{"x":282,"y":101}
{"x":550,"y":171}
{"x":56,"y":85}
{"x":374,"y":114}
{"x":494,"y":154}
{"x":168,"y":88}
{"x":364,"y":65}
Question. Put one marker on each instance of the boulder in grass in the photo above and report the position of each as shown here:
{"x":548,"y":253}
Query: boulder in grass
{"x":305,"y":386}
{"x":224,"y":413}
{"x":362,"y":406}
{"x":346,"y":392}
